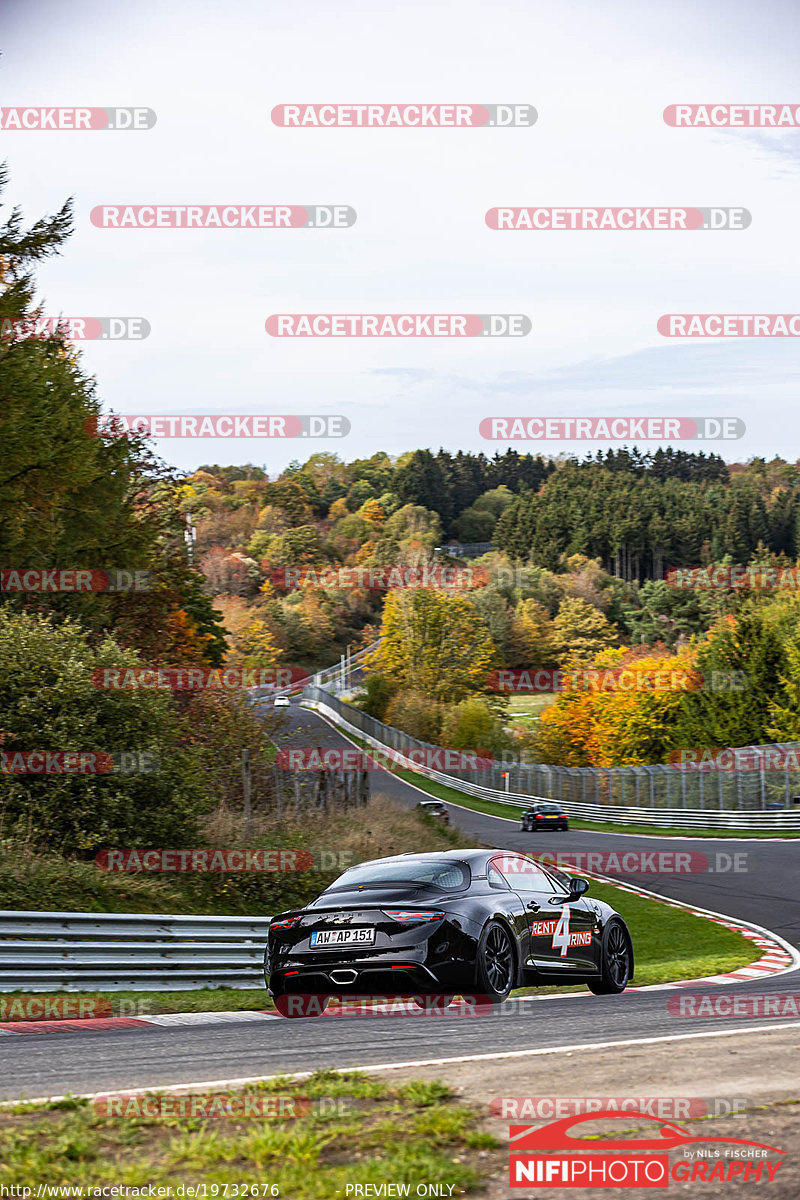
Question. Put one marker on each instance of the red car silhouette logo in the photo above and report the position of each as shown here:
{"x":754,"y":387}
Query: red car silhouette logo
{"x":556,"y":1136}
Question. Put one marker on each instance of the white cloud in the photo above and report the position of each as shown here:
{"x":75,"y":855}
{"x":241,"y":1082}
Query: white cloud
{"x":599,"y":76}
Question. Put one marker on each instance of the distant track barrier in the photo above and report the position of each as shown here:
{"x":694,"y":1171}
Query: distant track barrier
{"x":661,"y":795}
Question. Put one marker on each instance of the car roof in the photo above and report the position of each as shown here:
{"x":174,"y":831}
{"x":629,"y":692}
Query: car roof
{"x":460,"y":855}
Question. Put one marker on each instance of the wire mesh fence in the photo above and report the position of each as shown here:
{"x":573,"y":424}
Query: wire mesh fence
{"x":769,"y":782}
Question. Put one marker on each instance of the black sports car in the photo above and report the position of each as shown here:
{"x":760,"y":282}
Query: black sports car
{"x":544,"y":816}
{"x":431,"y":926}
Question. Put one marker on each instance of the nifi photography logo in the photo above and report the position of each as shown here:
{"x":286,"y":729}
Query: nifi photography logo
{"x":554,"y":1156}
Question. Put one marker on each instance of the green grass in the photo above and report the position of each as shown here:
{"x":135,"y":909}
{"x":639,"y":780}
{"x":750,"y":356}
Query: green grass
{"x":359,"y":1130}
{"x":682,"y":831}
{"x":671,"y":943}
{"x":528,"y":706}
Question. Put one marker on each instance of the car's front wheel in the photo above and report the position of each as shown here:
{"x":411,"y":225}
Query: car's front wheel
{"x":495,"y":964}
{"x":615,"y":961}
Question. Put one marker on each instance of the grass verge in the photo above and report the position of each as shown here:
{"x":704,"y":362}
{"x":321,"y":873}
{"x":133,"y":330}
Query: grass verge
{"x":41,"y":882}
{"x":359,"y":1130}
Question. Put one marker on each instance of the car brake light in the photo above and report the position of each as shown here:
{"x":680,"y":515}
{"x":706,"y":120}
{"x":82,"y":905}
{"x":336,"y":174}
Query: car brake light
{"x":410,"y":914}
{"x":286,"y":923}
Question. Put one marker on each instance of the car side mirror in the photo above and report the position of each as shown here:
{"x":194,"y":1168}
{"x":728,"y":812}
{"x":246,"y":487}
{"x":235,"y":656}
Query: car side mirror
{"x":577,"y":888}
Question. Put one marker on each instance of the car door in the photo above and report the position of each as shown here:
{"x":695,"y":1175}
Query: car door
{"x":578,"y":938}
{"x":511,"y":904}
{"x":561,"y":931}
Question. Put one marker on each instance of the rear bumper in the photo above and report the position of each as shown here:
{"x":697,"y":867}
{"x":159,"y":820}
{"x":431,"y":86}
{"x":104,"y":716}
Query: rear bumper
{"x":540,"y":825}
{"x":356,"y":979}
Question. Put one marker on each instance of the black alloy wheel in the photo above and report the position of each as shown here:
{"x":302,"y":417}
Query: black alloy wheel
{"x":615,"y":970}
{"x":496,"y":964}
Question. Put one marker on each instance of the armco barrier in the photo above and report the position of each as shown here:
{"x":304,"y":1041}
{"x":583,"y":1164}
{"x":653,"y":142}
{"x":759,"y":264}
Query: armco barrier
{"x":75,"y":952}
{"x":384,"y":737}
{"x":336,"y":677}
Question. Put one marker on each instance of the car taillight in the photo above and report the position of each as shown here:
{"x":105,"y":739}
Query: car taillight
{"x":285,"y":923}
{"x":410,"y":914}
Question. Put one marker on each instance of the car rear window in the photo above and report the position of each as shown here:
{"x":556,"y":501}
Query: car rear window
{"x":442,"y":874}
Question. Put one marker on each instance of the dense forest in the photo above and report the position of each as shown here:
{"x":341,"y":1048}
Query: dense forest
{"x":640,"y":521}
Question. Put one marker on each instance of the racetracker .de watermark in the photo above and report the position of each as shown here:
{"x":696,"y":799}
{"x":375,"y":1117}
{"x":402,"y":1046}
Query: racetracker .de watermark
{"x":736,"y":758}
{"x":78,"y":762}
{"x":235,"y":1106}
{"x":730,"y":116}
{"x":38,"y":1008}
{"x":724,"y":1004}
{"x":303,"y":1004}
{"x":623,"y":219}
{"x":218,"y":425}
{"x":518,"y":681}
{"x":53,"y":1008}
{"x":403,"y":116}
{"x":204,"y":861}
{"x":75,"y":329}
{"x":633,"y":862}
{"x":402,"y":325}
{"x":223,"y":216}
{"x":381,"y":578}
{"x":432,"y":758}
{"x":611,"y":429}
{"x":76,"y":119}
{"x":75,"y":579}
{"x":729,"y":325}
{"x":725,"y":578}
{"x":196,"y":679}
{"x":675,"y":1108}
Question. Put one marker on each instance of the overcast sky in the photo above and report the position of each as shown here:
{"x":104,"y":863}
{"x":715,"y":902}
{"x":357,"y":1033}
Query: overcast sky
{"x":599,"y":77}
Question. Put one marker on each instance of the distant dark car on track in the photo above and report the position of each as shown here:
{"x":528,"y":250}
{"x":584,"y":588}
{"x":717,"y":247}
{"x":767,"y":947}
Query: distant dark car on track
{"x":435,"y":808}
{"x":544,"y":816}
{"x":431,"y":926}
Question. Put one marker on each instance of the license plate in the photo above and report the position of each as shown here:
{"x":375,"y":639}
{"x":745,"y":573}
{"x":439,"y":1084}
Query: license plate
{"x":342,"y":937}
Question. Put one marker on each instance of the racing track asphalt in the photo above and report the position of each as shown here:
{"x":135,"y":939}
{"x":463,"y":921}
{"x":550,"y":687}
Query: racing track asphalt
{"x":153,"y":1056}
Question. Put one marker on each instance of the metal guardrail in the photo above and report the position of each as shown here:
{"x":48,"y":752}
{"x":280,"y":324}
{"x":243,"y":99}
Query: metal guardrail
{"x":330,"y":675}
{"x":385,"y":737}
{"x":112,"y":952}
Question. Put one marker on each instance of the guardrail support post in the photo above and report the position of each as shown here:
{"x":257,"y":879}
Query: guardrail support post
{"x":248,"y":811}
